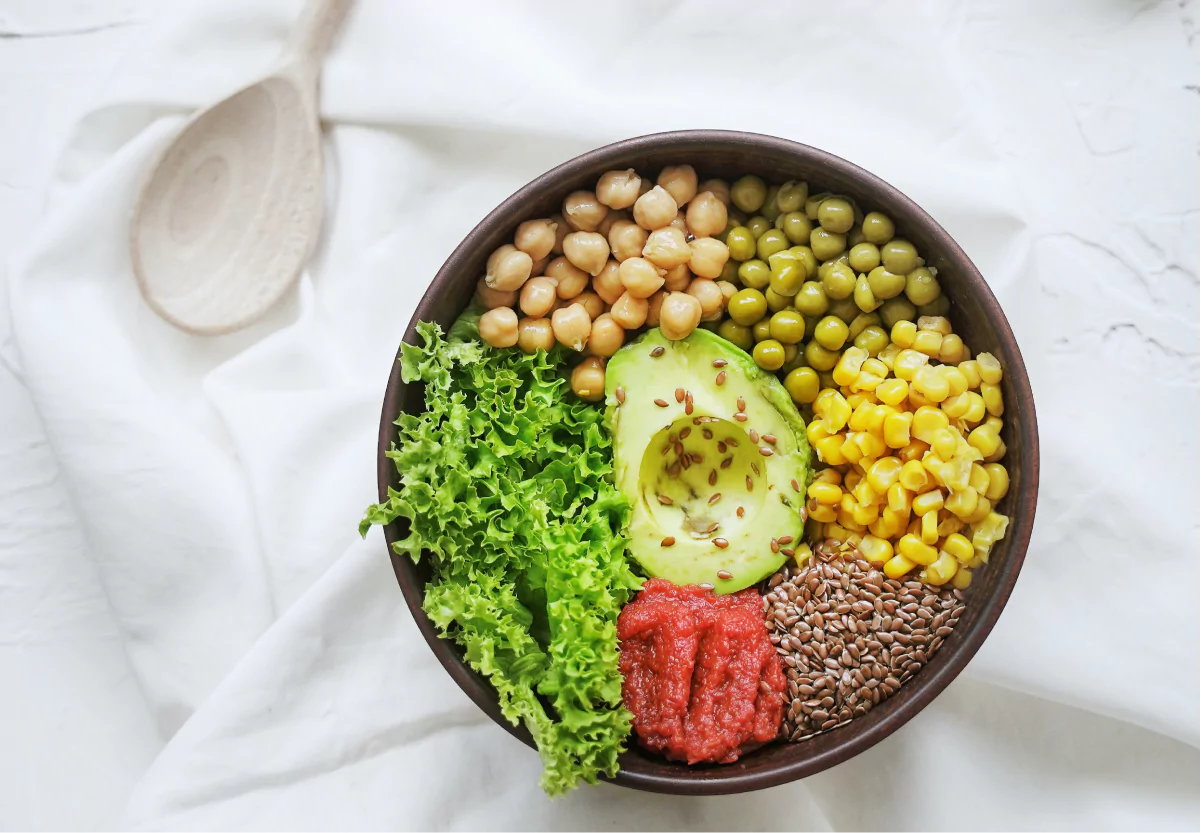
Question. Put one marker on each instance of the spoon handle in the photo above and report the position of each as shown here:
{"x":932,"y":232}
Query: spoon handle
{"x":313,"y":33}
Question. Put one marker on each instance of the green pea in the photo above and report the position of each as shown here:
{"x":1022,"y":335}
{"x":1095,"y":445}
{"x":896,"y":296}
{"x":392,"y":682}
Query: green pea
{"x":811,"y":299}
{"x":855,"y":236}
{"x":792,"y":195}
{"x":796,"y":226}
{"x":741,"y":243}
{"x":729,"y":272}
{"x":755,"y":274}
{"x":747,"y":306}
{"x":864,"y":299}
{"x":758,"y":225}
{"x":770,"y":210}
{"x":811,"y":322}
{"x":885,"y":283}
{"x":776,"y":301}
{"x":939,"y":306}
{"x":787,"y":273}
{"x":862,"y":320}
{"x":802,"y":385}
{"x":838,"y":280}
{"x":812,"y":202}
{"x":805,"y":255}
{"x":827,"y":245}
{"x":921,"y":287}
{"x":878,"y":228}
{"x":864,"y":257}
{"x":737,"y":334}
{"x":873,"y":339}
{"x":770,"y":242}
{"x":769,"y":354}
{"x":831,"y":332}
{"x":793,"y":358}
{"x":734,"y":217}
{"x":899,"y":256}
{"x":711,"y":326}
{"x":845,"y":309}
{"x":819,"y":357}
{"x":897,"y":309}
{"x":788,"y":326}
{"x":836,"y":215}
{"x":761,"y":330}
{"x":748,"y":193}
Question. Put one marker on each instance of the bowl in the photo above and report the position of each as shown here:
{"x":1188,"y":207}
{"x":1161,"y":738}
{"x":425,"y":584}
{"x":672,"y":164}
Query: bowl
{"x":977,"y":316}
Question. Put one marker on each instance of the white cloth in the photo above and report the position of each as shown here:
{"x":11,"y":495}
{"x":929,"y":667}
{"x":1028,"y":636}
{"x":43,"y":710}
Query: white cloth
{"x":218,"y":481}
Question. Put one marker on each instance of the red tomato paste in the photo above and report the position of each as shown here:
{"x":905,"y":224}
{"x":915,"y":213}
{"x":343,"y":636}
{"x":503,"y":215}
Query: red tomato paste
{"x":701,"y":678}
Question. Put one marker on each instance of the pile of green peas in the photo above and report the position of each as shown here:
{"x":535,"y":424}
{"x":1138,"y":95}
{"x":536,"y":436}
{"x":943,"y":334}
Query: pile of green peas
{"x":814,"y":267}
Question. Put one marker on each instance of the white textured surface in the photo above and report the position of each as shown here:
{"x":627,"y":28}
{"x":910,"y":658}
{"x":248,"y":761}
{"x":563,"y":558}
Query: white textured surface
{"x":192,"y":637}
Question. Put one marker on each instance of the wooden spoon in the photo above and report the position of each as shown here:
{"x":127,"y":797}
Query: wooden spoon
{"x":232,"y":208}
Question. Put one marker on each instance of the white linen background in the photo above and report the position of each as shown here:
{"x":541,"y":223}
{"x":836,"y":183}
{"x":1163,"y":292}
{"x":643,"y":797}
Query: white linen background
{"x":218,"y":481}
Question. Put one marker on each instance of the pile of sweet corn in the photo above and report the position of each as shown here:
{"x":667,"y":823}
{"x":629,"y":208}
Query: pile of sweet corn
{"x":911,"y":441}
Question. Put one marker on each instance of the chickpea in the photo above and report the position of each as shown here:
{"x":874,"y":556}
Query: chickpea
{"x":583,"y":210}
{"x":606,"y":337}
{"x":534,"y":334}
{"x":677,"y":280}
{"x":710,"y":296}
{"x":718,"y":188}
{"x":709,"y":257}
{"x":640,"y":277}
{"x":572,"y":326}
{"x":655,"y":209}
{"x":572,"y":279}
{"x":491,"y":298}
{"x":508,"y":268}
{"x":561,"y":231}
{"x":588,"y":379}
{"x":588,"y":250}
{"x":706,"y":215}
{"x":630,"y":312}
{"x":611,"y":219}
{"x":536,"y":238}
{"x":618,"y":189}
{"x":591,"y":302}
{"x":538,"y":269}
{"x":667,"y":248}
{"x":680,"y":182}
{"x":626,"y":239}
{"x":679,"y":315}
{"x":498,"y":327}
{"x":538,"y":296}
{"x":680,"y":222}
{"x":653,"y":306}
{"x":728,"y":291}
{"x":607,"y":283}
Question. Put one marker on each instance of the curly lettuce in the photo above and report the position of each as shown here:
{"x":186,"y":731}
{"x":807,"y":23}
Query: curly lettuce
{"x":507,"y":490}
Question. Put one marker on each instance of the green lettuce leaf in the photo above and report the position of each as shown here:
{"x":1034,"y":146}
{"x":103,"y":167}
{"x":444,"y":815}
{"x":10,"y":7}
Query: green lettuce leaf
{"x":508,"y":491}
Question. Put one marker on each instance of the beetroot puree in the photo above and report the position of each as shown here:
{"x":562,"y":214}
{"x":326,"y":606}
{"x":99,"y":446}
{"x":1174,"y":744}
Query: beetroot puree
{"x":700,"y":675}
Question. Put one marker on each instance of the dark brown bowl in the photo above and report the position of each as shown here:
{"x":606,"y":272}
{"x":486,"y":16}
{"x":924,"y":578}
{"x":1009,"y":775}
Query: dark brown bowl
{"x":977,"y":316}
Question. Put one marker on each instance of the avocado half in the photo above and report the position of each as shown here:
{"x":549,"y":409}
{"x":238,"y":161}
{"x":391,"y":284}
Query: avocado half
{"x":707,"y":502}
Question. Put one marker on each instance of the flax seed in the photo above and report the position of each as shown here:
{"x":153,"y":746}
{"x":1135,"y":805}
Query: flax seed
{"x":721,"y":378}
{"x":667,"y":542}
{"x":662,"y":403}
{"x":721,"y":544}
{"x":665,"y":500}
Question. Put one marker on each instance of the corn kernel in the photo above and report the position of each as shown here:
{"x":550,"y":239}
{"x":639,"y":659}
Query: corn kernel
{"x":866,"y":381}
{"x":990,"y":368}
{"x":956,"y":381}
{"x":834,"y":410}
{"x":848,"y":366}
{"x":825,"y":493}
{"x":951,"y":351}
{"x":978,"y":479}
{"x":948,"y":523}
{"x":903,"y":333}
{"x":847,"y":501}
{"x":962,"y":579}
{"x":892,"y":391}
{"x":821,"y":514}
{"x":847,"y":521}
{"x":955,"y":406}
{"x":914,"y":529}
{"x":994,"y":424}
{"x":898,"y":566}
{"x":896,"y":430}
{"x":865,"y":494}
{"x":875,"y":422}
{"x":971,"y":369}
{"x":962,"y":503}
{"x":914,"y":451}
{"x":837,"y":532}
{"x":982,"y":510}
{"x":929,"y":528}
{"x":997,"y":454}
{"x":907,"y":362}
{"x":851,"y":479}
{"x":870,"y":445}
{"x":984,"y":439}
{"x":998,"y":481}
{"x":928,"y":342}
{"x":892,"y":523}
{"x":935,"y":323}
{"x":883,"y":474}
{"x":802,"y":553}
{"x":859,"y":419}
{"x":865,"y":515}
{"x":917,"y":399}
{"x":944,"y":442}
{"x":900,"y":499}
{"x":858,"y":397}
{"x":877,"y":550}
{"x":930,"y":382}
{"x":988,"y":532}
{"x":942,"y":570}
{"x":828,"y":476}
{"x":917,"y":551}
{"x":829,"y":450}
{"x":993,"y":402}
{"x":889,"y":354}
{"x":927,"y":422}
{"x":975,"y":407}
{"x":959,"y":546}
{"x":928,"y":502}
{"x":875,"y":366}
{"x":815,"y":430}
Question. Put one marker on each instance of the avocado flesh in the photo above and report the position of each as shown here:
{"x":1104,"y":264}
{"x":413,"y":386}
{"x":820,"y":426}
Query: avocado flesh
{"x":647,"y":439}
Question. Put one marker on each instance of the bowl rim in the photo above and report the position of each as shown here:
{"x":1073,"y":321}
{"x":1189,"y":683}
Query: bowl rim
{"x":932,"y":681}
